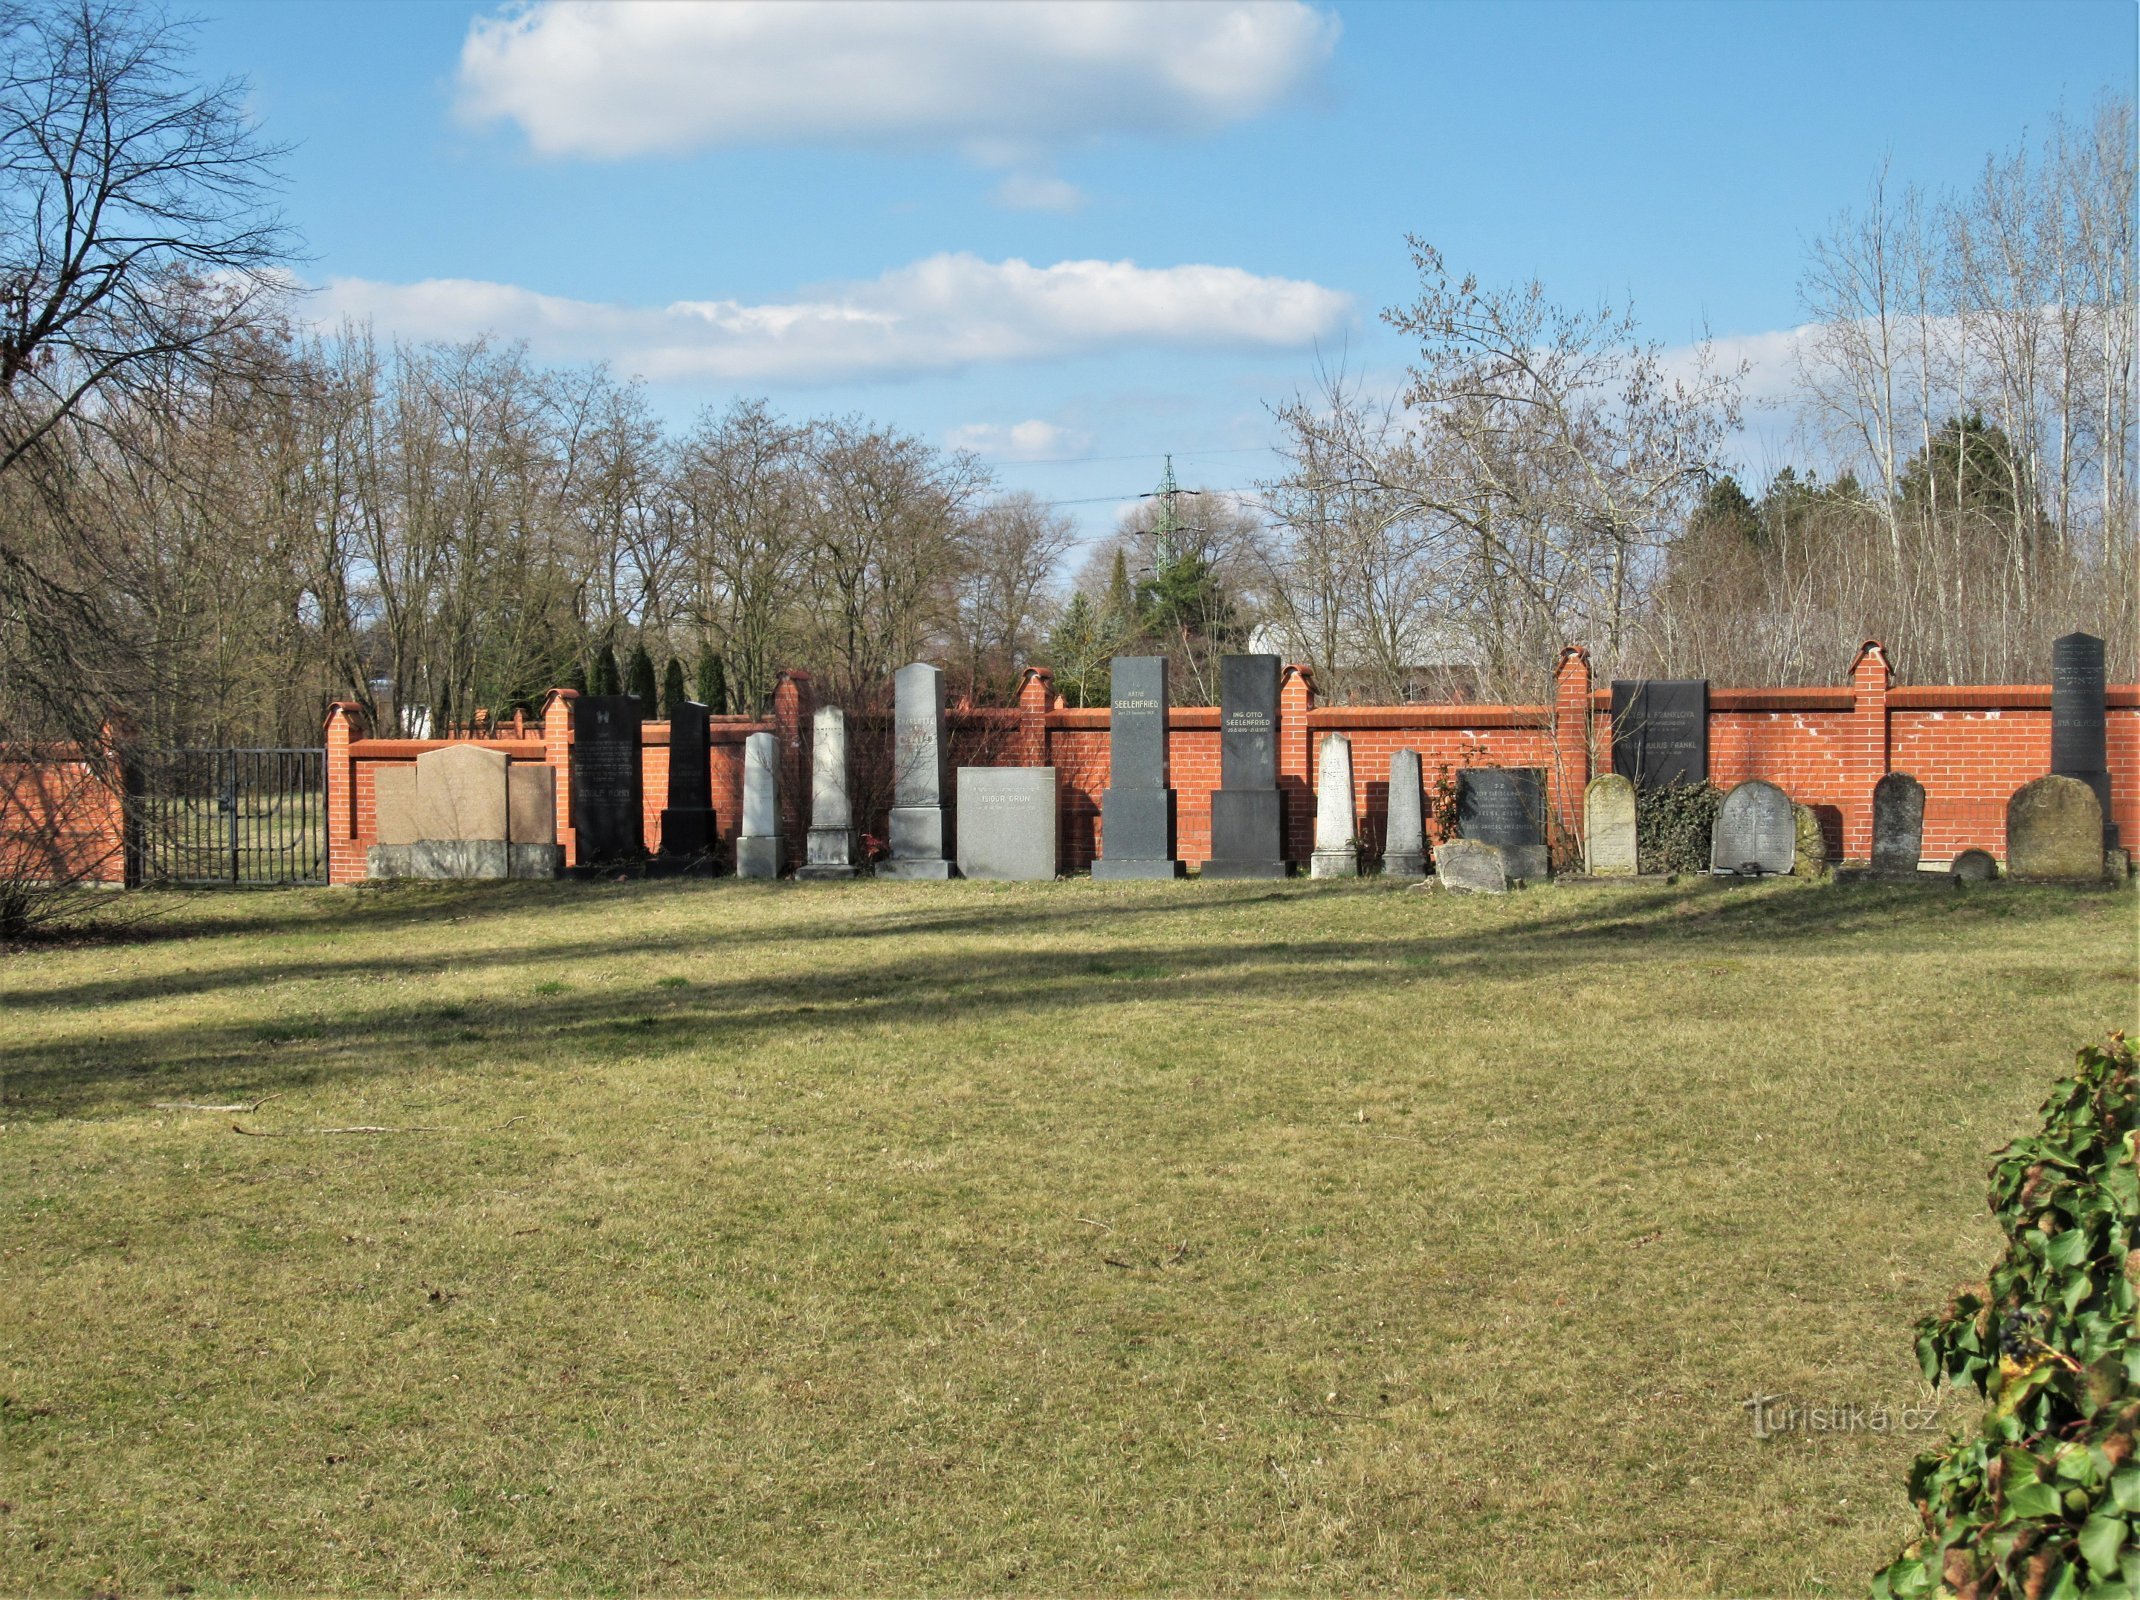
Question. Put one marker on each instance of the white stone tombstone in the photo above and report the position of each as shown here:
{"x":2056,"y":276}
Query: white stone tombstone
{"x":1609,"y":826}
{"x":758,"y":842}
{"x":1337,"y":851}
{"x":830,"y":849}
{"x":1404,"y":842}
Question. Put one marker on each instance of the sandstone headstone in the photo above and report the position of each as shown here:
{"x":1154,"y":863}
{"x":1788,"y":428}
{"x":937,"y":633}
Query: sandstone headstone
{"x":2054,"y":830}
{"x":608,"y":792}
{"x":1472,"y":866}
{"x":1660,"y":731}
{"x":1609,"y":826}
{"x":1137,"y":809}
{"x":1007,"y":826}
{"x":1404,"y":839}
{"x":1756,"y":831}
{"x":830,"y":850}
{"x":687,"y":821}
{"x":1247,"y":813}
{"x":758,"y":840}
{"x":1506,"y":807}
{"x":1898,"y":824}
{"x":394,"y":804}
{"x":1975,"y":866}
{"x":1809,"y":849}
{"x":460,"y":793}
{"x":1337,"y":855}
{"x":920,"y":829}
{"x":530,"y":803}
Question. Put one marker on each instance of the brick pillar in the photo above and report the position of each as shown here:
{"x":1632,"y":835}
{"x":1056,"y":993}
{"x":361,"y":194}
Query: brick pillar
{"x":557,"y":756}
{"x":1036,"y":692}
{"x":1569,"y":774}
{"x":1866,"y":757}
{"x":1296,"y":760}
{"x":345,"y":857}
{"x":794,"y":705}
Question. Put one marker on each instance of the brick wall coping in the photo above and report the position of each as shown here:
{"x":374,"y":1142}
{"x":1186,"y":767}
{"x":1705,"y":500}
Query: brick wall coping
{"x":1430,"y":716}
{"x":410,"y":749}
{"x":2000,"y":696}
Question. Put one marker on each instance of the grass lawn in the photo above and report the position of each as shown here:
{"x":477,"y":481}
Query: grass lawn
{"x":1076,"y":1237}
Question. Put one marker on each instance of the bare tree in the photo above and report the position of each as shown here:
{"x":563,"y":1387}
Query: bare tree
{"x":1012,"y":548}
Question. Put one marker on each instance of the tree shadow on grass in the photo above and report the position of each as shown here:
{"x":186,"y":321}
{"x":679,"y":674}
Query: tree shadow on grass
{"x":1542,"y":941}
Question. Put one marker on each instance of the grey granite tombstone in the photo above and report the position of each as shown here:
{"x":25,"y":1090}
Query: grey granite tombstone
{"x":1404,"y":838}
{"x":2054,"y":831}
{"x":687,"y":821}
{"x":1975,"y":866}
{"x":2079,"y":742}
{"x":1609,"y":826}
{"x":1247,"y":812}
{"x":1472,"y":866}
{"x":1337,"y":827}
{"x":1898,"y":824}
{"x":1137,"y":817}
{"x":1756,"y":831}
{"x":1660,"y":731}
{"x":608,"y":804}
{"x":1506,"y":807}
{"x":830,"y":849}
{"x":1007,"y":826}
{"x":758,"y":841}
{"x":919,"y":831}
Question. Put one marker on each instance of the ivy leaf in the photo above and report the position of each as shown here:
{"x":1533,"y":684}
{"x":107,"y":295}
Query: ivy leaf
{"x":2030,"y":1500}
{"x":2125,"y":1488}
{"x":2102,"y":1539}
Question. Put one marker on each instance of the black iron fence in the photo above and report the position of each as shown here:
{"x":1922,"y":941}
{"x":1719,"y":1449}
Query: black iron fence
{"x":228,"y":816}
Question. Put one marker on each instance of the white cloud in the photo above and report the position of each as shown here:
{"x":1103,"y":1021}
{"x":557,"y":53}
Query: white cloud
{"x":634,"y":77}
{"x":943,"y":312}
{"x":1033,"y":440}
{"x":1030,"y":191}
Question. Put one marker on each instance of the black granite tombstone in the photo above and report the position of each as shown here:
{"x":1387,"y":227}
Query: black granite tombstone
{"x":1137,"y":807}
{"x":687,"y":820}
{"x":1660,"y":731}
{"x":1506,"y":806}
{"x":607,"y":782}
{"x":1247,"y":812}
{"x":2078,"y":745}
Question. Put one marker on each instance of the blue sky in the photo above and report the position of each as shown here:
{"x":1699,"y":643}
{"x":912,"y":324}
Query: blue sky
{"x":1091,"y":231}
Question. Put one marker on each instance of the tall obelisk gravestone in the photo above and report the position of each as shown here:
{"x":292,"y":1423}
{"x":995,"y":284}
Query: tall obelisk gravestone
{"x":830,"y":849}
{"x":1247,"y":813}
{"x":2078,"y":746}
{"x":919,"y":833}
{"x":1137,"y":807}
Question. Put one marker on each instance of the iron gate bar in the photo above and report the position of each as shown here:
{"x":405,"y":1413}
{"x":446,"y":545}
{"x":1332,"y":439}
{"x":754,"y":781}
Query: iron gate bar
{"x":231,"y":814}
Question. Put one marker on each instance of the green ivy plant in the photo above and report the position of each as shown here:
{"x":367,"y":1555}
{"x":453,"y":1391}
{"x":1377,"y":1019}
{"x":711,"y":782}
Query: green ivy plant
{"x":1673,"y":825}
{"x":2043,"y":1501}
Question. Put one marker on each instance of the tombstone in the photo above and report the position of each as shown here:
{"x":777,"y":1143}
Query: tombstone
{"x":830,"y":849}
{"x":1660,"y":731}
{"x":394,"y":805}
{"x":530,"y":804}
{"x":1007,"y":826}
{"x":918,"y":824}
{"x":2079,"y":746}
{"x":1975,"y":866}
{"x":1472,"y":866}
{"x":1404,"y":838}
{"x":1506,"y":807}
{"x":1898,"y":824}
{"x":2054,"y":832}
{"x":1609,"y":826}
{"x":687,"y":821}
{"x":608,"y":804}
{"x":1337,"y":827}
{"x":451,"y":815}
{"x":460,"y":793}
{"x":1809,"y":848}
{"x":758,"y":841}
{"x":1137,"y":809}
{"x":1756,"y":831}
{"x":1247,"y":812}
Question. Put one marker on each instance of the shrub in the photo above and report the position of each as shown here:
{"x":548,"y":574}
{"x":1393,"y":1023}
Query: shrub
{"x":2042,"y":1501}
{"x":1673,"y":827}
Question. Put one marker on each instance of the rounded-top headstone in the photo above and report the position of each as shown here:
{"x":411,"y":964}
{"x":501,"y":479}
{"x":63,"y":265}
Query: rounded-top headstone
{"x":1471,"y":865}
{"x":1975,"y":866}
{"x":1898,"y":823}
{"x":1756,"y":830}
{"x":1609,"y":826}
{"x":2054,"y":830}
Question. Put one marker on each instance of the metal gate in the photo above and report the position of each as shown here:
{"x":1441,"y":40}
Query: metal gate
{"x":230,"y":815}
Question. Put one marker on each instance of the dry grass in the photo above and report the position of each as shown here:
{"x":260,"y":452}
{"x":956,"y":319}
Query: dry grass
{"x":985,"y":1238}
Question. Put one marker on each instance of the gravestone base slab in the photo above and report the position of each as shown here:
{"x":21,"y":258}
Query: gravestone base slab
{"x":915,"y":871}
{"x":1137,"y":824}
{"x":1112,"y":870}
{"x":758,"y":855}
{"x":463,"y":859}
{"x":1247,"y":834}
{"x":1404,"y":864}
{"x":828,"y":853}
{"x":1243,"y":869}
{"x":1334,"y":864}
{"x":686,"y":831}
{"x":917,"y":837}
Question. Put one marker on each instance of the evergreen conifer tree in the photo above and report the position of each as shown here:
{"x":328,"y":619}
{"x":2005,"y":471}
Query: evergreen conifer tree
{"x":642,"y":685}
{"x":712,"y":683}
{"x":672,"y":690}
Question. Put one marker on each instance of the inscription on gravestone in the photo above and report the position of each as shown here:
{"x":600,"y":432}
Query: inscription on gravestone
{"x":1660,"y":731}
{"x":1506,"y":807}
{"x":607,"y":785}
{"x":1247,"y":813}
{"x":1137,"y":808}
